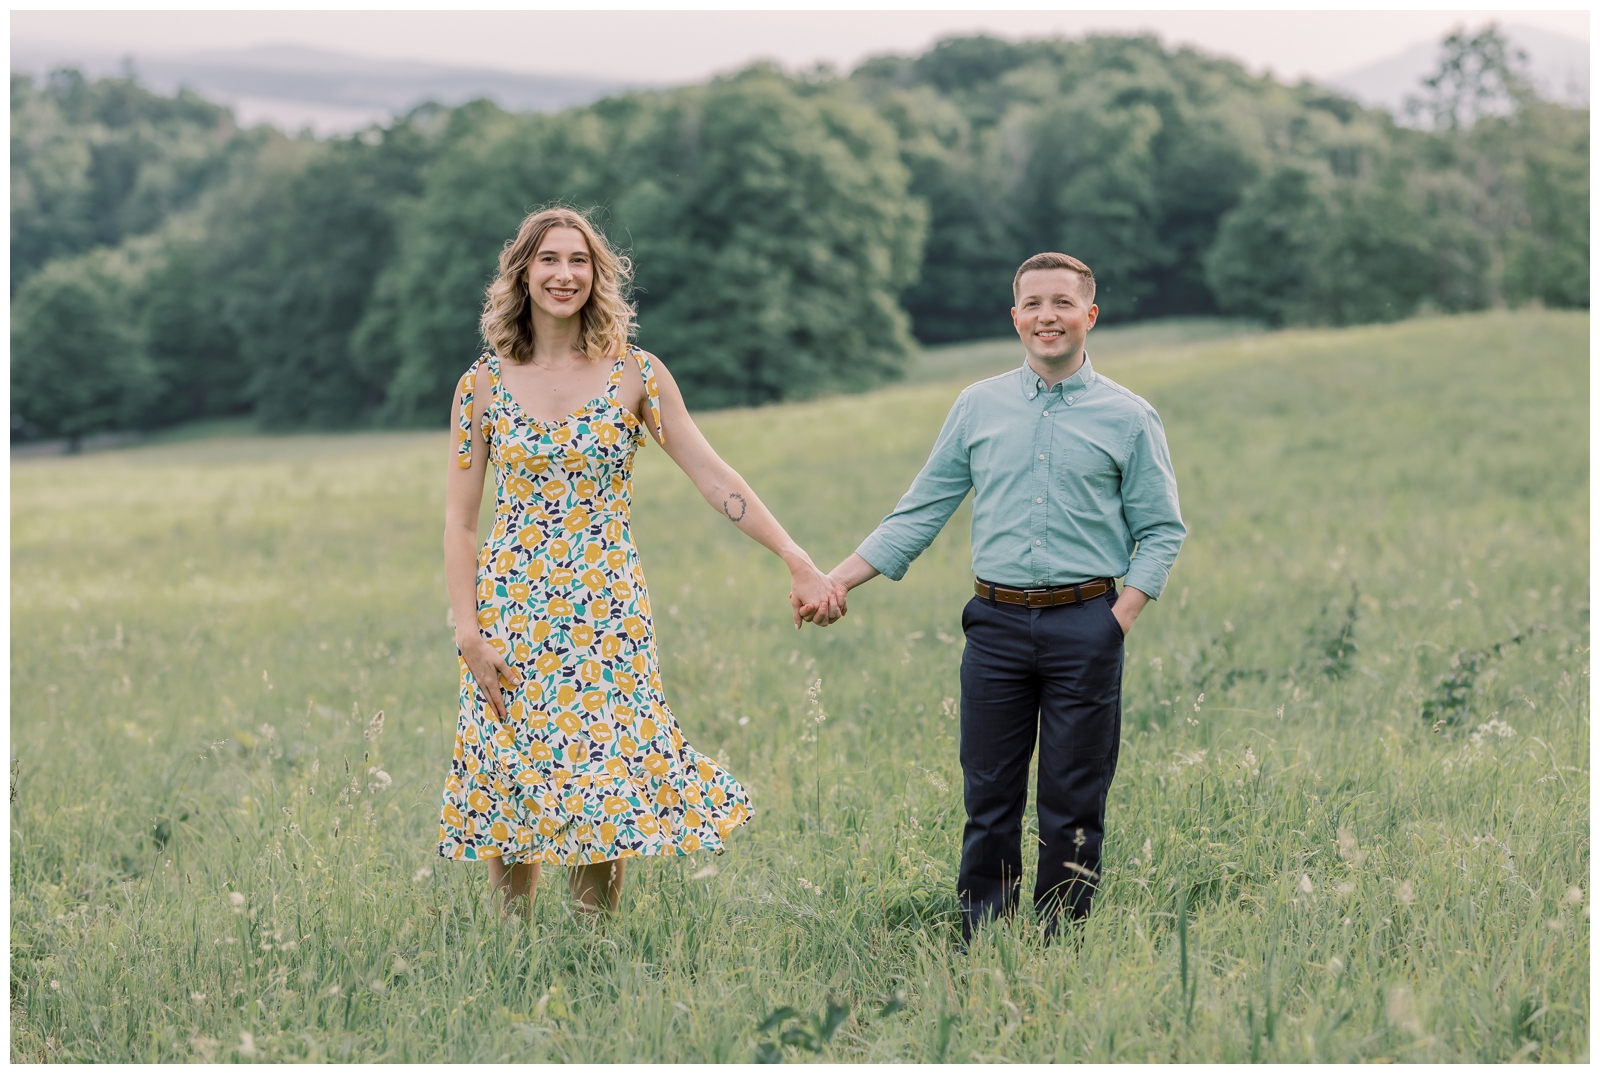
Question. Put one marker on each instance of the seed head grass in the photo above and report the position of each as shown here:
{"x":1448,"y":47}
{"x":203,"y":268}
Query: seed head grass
{"x":1350,"y":821}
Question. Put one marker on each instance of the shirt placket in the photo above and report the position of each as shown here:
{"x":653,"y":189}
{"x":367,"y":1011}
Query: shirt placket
{"x":1039,"y":517}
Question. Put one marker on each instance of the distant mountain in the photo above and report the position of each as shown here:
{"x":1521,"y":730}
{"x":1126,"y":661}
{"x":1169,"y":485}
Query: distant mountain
{"x":293,"y":87}
{"x":1558,"y":64}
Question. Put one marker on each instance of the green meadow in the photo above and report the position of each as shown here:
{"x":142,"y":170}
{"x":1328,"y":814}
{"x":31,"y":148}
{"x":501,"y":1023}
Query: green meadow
{"x":1350,"y":820}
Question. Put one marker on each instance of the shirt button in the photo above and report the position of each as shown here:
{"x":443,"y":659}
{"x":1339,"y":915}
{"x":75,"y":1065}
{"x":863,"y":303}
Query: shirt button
{"x":1038,"y":542}
{"x":1038,"y":499}
{"x":1041,"y":456}
{"x":1047,"y":413}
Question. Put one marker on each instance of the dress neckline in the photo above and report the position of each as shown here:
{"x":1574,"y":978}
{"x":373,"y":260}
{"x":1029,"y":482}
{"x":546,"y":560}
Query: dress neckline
{"x":605,"y":396}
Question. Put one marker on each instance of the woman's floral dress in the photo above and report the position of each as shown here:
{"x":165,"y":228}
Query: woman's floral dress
{"x":590,"y":764}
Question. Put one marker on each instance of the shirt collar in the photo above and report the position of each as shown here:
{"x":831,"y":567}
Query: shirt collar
{"x":1033,"y":384}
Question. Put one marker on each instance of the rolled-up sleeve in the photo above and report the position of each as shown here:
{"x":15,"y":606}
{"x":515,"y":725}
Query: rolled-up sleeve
{"x":1150,"y":508}
{"x":922,"y":512}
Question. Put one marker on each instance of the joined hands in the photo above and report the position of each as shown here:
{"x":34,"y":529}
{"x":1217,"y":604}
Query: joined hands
{"x":815,"y":597}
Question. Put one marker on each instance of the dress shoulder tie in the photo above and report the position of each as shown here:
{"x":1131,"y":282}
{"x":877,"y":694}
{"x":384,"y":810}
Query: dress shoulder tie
{"x":467,"y":388}
{"x":652,"y":392}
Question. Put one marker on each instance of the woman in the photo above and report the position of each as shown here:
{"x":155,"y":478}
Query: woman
{"x":566,"y":752}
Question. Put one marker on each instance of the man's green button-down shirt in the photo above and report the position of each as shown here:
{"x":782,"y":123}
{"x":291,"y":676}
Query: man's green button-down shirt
{"x":1067,"y":481}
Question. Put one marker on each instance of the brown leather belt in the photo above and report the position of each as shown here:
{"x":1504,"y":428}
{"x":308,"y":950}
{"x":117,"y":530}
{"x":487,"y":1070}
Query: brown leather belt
{"x":1046,"y":597}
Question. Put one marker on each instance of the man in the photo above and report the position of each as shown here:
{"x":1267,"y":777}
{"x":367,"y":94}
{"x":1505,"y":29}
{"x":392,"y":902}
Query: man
{"x":1072,"y":487}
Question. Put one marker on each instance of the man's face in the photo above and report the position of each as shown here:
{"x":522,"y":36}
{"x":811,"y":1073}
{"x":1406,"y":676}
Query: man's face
{"x":1053,"y":314}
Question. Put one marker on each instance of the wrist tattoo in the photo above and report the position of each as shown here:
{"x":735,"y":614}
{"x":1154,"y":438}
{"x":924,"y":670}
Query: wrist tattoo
{"x":734,"y":513}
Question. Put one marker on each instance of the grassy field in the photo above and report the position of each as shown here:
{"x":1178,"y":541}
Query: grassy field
{"x":1350,"y":820}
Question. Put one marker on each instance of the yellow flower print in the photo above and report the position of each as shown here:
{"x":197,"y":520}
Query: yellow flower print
{"x":485,"y":590}
{"x":591,"y":688}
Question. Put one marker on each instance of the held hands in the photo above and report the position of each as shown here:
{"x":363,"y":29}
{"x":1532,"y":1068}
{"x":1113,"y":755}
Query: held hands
{"x":489,"y":670}
{"x":815,"y":597}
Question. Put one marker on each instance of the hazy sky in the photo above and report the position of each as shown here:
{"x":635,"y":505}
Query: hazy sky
{"x":674,"y":46}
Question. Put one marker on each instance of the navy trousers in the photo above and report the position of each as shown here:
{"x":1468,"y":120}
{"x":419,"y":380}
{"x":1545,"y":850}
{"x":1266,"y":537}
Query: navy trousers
{"x":1055,"y":674}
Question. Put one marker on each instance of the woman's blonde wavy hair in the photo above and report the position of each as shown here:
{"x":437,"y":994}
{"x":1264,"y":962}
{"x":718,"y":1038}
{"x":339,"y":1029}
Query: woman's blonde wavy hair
{"x":607,"y":316}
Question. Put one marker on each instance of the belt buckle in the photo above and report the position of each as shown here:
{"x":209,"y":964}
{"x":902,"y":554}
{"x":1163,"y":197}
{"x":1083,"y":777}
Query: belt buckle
{"x":1038,"y":598}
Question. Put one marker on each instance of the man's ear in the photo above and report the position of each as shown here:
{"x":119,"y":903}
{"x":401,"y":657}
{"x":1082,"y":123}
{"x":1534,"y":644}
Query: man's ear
{"x":1094,"y":314}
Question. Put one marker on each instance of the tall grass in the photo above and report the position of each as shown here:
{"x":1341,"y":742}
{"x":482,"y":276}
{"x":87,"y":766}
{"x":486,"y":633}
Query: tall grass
{"x":217,"y":852}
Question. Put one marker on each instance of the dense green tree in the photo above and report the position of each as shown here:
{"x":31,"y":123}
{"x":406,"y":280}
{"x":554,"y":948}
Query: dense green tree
{"x":95,"y":162}
{"x":76,"y":364}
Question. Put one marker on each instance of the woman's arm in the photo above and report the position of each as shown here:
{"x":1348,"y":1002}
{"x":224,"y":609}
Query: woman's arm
{"x":813,"y":592}
{"x":463,"y":496}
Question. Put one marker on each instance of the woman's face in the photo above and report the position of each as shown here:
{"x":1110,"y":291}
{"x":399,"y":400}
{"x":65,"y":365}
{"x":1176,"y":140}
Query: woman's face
{"x":561,"y":274}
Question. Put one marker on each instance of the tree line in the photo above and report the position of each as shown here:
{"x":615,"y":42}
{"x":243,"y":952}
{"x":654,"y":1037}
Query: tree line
{"x":793,"y":233}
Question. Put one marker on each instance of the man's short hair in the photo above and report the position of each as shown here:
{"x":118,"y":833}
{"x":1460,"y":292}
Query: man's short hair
{"x":1054,"y":261}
